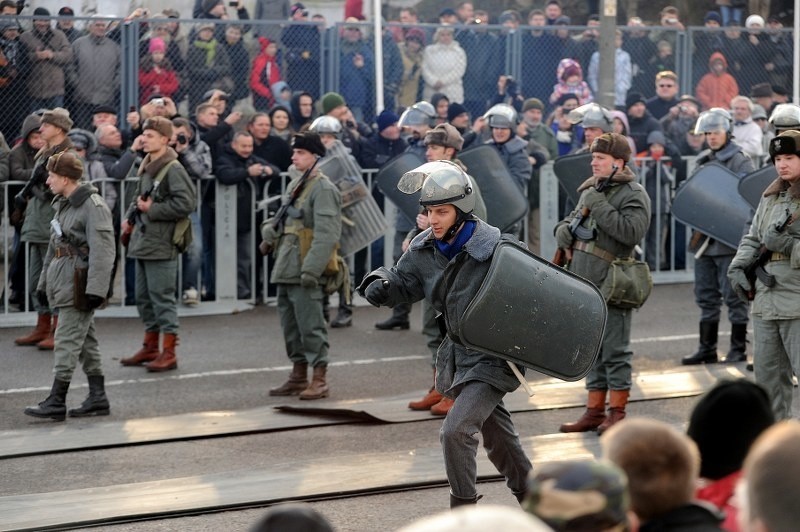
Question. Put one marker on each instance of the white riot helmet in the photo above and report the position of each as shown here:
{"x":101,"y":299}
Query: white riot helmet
{"x":715,"y":119}
{"x":420,"y":114}
{"x":785,"y":116}
{"x":592,"y":115}
{"x":326,"y":124}
{"x":501,"y":115}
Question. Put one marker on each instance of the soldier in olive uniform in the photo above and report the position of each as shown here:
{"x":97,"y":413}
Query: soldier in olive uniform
{"x":313,"y":206}
{"x":35,"y":199}
{"x":165,"y":196}
{"x":81,"y":240}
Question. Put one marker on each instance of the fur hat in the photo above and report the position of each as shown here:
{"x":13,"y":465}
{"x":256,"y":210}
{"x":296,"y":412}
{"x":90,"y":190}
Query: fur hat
{"x":614,"y":145}
{"x":787,"y":143}
{"x":59,"y":117}
{"x":67,"y":164}
{"x":159,"y":124}
{"x":309,"y":141}
{"x":725,"y":422}
{"x":445,"y":135}
{"x":330,"y":101}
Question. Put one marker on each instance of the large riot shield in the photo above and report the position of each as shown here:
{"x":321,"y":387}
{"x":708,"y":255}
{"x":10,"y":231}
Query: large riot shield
{"x":505,"y":204}
{"x":710,"y":202}
{"x":362,"y":219}
{"x":388,"y":177}
{"x":571,"y":171}
{"x":753,"y":185}
{"x":535,"y":314}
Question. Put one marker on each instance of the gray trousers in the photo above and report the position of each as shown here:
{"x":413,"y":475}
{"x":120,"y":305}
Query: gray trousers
{"x":36,"y":254}
{"x":776,"y":353}
{"x":612,"y":370}
{"x":303,"y":324}
{"x":75,"y":342}
{"x":430,"y":329}
{"x":479,"y":408}
{"x":711,"y":287}
{"x":155,"y":294}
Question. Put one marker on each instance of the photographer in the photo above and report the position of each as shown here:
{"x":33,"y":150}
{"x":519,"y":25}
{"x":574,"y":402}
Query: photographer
{"x":508,"y":93}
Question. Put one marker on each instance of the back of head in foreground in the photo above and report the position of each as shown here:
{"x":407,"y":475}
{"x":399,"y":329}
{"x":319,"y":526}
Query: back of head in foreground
{"x":771,"y":481}
{"x":662,"y":464}
{"x":292,"y":517}
{"x":479,"y":518}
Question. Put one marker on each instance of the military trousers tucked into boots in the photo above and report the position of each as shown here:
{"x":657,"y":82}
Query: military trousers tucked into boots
{"x":776,"y":355}
{"x":479,"y":408}
{"x":155,"y":294}
{"x":613,"y":370}
{"x":303,"y":324}
{"x":76,"y":341}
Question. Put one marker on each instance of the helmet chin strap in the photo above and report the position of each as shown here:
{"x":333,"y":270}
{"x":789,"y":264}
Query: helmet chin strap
{"x":461,"y":217}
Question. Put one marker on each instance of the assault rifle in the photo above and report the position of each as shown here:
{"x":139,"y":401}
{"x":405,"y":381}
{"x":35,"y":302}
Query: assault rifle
{"x":125,"y":237}
{"x":288,"y":202}
{"x":756,"y":270}
{"x":38,"y":178}
{"x":563,"y":256}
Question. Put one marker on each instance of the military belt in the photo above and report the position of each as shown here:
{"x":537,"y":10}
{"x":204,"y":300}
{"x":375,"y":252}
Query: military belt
{"x":778,"y":256}
{"x":69,"y":251}
{"x":594,"y":249}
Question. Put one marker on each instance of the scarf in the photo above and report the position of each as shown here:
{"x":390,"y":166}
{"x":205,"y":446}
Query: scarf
{"x":210,"y":48}
{"x":451,"y":250}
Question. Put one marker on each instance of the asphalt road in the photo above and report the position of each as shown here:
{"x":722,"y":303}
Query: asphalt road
{"x":230,"y":362}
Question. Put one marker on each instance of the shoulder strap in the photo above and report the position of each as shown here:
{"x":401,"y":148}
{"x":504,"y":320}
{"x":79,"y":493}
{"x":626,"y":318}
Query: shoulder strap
{"x":163,"y":172}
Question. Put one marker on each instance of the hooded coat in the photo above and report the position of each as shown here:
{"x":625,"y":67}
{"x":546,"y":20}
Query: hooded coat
{"x":265,"y":73}
{"x":717,"y":90}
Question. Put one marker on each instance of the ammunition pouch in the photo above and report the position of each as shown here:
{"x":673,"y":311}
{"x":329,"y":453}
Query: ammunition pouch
{"x":182,"y":236}
{"x":628,"y":283}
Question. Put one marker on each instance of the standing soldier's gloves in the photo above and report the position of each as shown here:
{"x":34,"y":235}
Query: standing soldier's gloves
{"x":269,"y":236}
{"x":308,"y":281}
{"x":781,"y":242}
{"x":739,"y":283}
{"x":93,"y":301}
{"x":592,"y":197}
{"x":377,"y":293}
{"x":564,"y":237}
{"x":41,"y":297}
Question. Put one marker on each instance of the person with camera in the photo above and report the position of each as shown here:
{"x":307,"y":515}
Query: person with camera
{"x":164,"y":197}
{"x":76,"y":279}
{"x":36,"y":200}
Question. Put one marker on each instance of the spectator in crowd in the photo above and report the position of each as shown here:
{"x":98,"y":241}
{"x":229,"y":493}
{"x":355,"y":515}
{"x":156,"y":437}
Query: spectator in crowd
{"x":409,"y":18}
{"x":443,"y":65}
{"x":730,"y":11}
{"x":692,"y":143}
{"x":680,"y":119}
{"x":762,"y":95}
{"x":779,"y":66}
{"x":207,"y":65}
{"x":465,"y":12}
{"x":411,"y":51}
{"x":480,"y":517}
{"x":13,"y":89}
{"x":301,"y":43}
{"x":97,"y":71}
{"x":662,"y":466}
{"x":666,"y":94}
{"x":747,"y":133}
{"x":48,"y":54}
{"x":640,"y":120}
{"x":82,"y":214}
{"x":570,"y":81}
{"x":542,"y":146}
{"x":271,"y":11}
{"x":532,"y":115}
{"x":641,"y":48}
{"x":582,"y":47}
{"x":272,"y":149}
{"x":664,"y":59}
{"x":622,"y":72}
{"x":292,"y":516}
{"x":717,"y":87}
{"x":85,"y":145}
{"x":378,"y":149}
{"x":177,"y":45}
{"x":569,"y":136}
{"x":239,"y":60}
{"x":770,"y":487}
{"x":298,"y":276}
{"x":706,"y":43}
{"x":534,"y":84}
{"x":66,"y":23}
{"x":759,"y":53}
{"x":282,"y":93}
{"x":55,"y":124}
{"x":281,"y":123}
{"x":333,"y":104}
{"x":153,"y":250}
{"x":357,"y":70}
{"x":458,"y":117}
{"x":711,"y":286}
{"x":760,"y":118}
{"x":552,"y":11}
{"x":481,"y":48}
{"x":236,"y":165}
{"x":302,"y":106}
{"x":212,"y":130}
{"x":597,"y":492}
{"x":724,"y":424}
{"x":670,"y":19}
{"x":195,"y":156}
{"x":734,"y":46}
{"x":440,"y":103}
{"x":157,"y":77}
{"x":216,"y":10}
{"x":392,"y":70}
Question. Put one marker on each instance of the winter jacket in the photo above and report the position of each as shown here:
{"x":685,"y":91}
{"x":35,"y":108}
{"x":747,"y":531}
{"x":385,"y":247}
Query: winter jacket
{"x":424,"y":272}
{"x":97,"y":65}
{"x":780,"y":301}
{"x":720,"y":493}
{"x":231,"y":170}
{"x":39,"y":212}
{"x":621,"y":221}
{"x":46,"y":78}
{"x":86,"y":227}
{"x":174,"y":199}
{"x":717,"y":90}
{"x":445,"y":64}
{"x":321,"y":206}
{"x":266,"y":71}
{"x":514,"y":153}
{"x":692,"y":517}
{"x":164,"y":82}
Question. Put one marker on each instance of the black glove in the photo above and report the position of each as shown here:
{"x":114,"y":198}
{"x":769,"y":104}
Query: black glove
{"x":20,"y":202}
{"x":780,"y":241}
{"x":377,"y":293}
{"x":94,"y":301}
{"x":739,"y":283}
{"x":41,"y":297}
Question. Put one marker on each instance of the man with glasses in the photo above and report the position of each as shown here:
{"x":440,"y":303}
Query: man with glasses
{"x":666,"y":94}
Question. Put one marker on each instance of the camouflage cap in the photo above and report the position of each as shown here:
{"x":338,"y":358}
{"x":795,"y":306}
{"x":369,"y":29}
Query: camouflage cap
{"x":578,"y":496}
